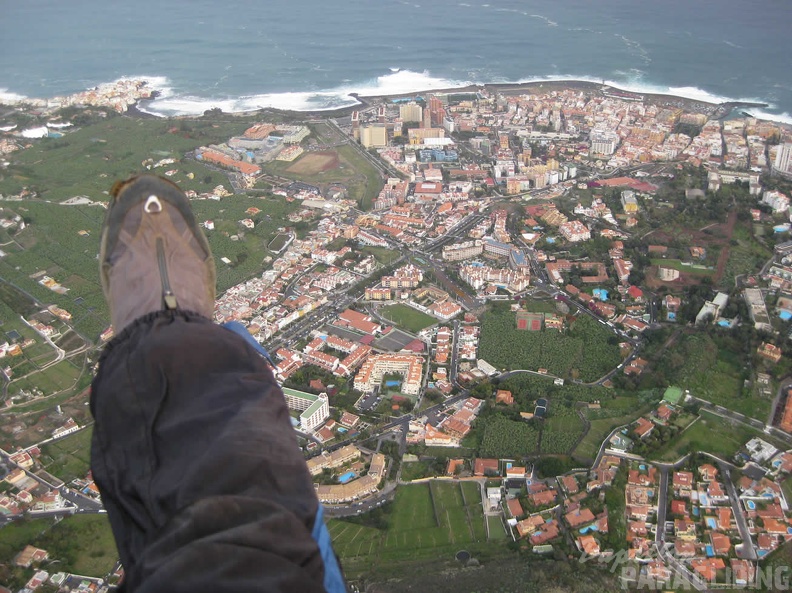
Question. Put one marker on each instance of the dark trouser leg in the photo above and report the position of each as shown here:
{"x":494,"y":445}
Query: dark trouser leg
{"x":198,"y":465}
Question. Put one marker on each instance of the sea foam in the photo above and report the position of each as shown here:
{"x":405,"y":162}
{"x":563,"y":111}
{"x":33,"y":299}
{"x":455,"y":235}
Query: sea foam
{"x":396,"y":82}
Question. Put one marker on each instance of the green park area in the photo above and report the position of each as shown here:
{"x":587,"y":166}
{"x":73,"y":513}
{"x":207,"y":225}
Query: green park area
{"x":425,"y":521}
{"x":583,"y":351}
{"x":407,"y":318}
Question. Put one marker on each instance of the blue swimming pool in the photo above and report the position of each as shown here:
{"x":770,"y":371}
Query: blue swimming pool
{"x":589,"y":528}
{"x":750,"y":505}
{"x":392,"y":383}
{"x":346,"y":477}
{"x":710,"y":550}
{"x":711,"y":522}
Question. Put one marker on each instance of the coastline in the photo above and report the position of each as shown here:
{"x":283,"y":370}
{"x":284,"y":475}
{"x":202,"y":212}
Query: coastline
{"x":715,"y":110}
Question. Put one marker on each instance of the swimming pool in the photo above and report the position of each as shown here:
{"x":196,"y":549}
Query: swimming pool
{"x":346,"y":477}
{"x":642,"y":467}
{"x":710,"y":550}
{"x":750,"y":505}
{"x":711,"y":522}
{"x":589,"y":528}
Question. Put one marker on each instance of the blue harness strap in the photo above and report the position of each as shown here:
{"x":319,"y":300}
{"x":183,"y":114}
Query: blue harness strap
{"x":333,"y":579}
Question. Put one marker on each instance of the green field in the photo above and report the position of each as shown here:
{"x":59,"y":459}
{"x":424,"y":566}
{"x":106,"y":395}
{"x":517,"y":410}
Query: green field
{"x":676,"y":264}
{"x":79,"y":544}
{"x":561,"y":430}
{"x":87,"y":161}
{"x":383,"y":255}
{"x":615,"y":412}
{"x":407,"y":318}
{"x":712,"y":434}
{"x":59,"y":377}
{"x":69,"y":457}
{"x":496,"y":529}
{"x":52,"y":245}
{"x":713,"y":373}
{"x":585,"y":351}
{"x":83,"y":543}
{"x":427,"y":520}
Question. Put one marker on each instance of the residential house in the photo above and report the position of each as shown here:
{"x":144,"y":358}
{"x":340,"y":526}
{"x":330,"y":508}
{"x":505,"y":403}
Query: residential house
{"x":542,"y":498}
{"x":486,"y":467}
{"x":682,"y":483}
{"x":589,"y":545}
{"x":570,"y":484}
{"x":515,"y":508}
{"x":707,"y":567}
{"x":720,"y":543}
{"x":685,"y":529}
{"x":579,"y":518}
{"x":643,"y":427}
{"x":547,"y":532}
{"x":708,"y":472}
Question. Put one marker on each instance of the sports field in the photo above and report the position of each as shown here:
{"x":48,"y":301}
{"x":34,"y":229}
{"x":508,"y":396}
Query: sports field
{"x":410,"y":319}
{"x":314,"y":163}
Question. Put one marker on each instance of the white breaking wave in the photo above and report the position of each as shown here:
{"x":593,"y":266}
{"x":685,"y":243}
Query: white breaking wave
{"x":397,"y":82}
{"x":10,"y":98}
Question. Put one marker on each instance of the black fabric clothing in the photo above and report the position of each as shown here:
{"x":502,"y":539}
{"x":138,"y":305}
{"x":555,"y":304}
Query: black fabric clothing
{"x":198,"y":465}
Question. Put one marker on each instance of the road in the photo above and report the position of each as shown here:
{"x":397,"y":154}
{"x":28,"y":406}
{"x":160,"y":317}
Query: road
{"x":749,"y":551}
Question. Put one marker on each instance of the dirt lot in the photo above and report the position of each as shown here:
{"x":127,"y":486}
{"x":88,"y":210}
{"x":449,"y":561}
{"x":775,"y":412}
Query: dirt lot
{"x":314,"y":163}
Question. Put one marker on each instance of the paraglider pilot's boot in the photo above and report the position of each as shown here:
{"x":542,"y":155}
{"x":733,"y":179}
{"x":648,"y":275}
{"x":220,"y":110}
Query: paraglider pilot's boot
{"x":153,"y":255}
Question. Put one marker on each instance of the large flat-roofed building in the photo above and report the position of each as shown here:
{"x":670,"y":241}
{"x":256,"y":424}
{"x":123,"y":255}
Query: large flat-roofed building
{"x":408,"y":365}
{"x":314,"y":409}
{"x":358,"y":321}
{"x":373,"y":136}
{"x":354,"y":490}
{"x":332,"y":459}
{"x":462,"y":251}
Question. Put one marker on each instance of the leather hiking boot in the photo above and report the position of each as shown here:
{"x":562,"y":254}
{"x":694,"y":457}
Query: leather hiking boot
{"x":153,"y":256}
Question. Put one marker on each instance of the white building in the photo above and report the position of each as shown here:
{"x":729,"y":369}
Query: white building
{"x":314,"y":409}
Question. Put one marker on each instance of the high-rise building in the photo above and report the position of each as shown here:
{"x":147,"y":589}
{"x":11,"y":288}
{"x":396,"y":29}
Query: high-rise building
{"x":437,"y":110}
{"x":427,"y":119}
{"x":411,"y":112}
{"x":603,"y":142}
{"x":373,"y":136}
{"x":783,"y":160}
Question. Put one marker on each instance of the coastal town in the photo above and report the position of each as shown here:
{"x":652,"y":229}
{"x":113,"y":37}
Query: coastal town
{"x":520,"y":307}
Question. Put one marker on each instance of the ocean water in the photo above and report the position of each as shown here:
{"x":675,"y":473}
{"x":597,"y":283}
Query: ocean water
{"x":310,"y":54}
